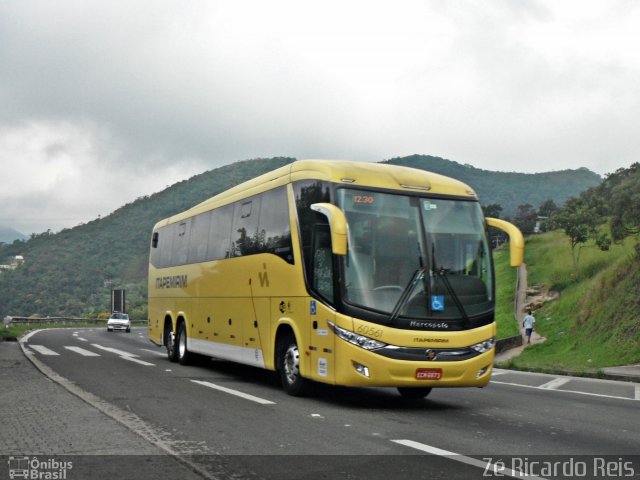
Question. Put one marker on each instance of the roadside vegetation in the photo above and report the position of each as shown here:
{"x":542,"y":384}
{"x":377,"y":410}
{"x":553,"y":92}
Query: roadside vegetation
{"x":591,"y":257}
{"x":16,"y":331}
{"x":594,"y":323}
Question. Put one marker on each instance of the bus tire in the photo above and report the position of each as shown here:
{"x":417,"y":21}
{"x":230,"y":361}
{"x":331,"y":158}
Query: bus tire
{"x":184,"y":357}
{"x":414,"y":393}
{"x":289,"y":367}
{"x":170,"y":342}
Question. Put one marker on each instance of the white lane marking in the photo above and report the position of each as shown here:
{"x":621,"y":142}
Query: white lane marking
{"x":41,"y":349}
{"x":126,"y":355}
{"x":83,"y":352}
{"x":496,"y":372}
{"x":82,"y":339}
{"x":135,"y":360}
{"x":567,"y":391}
{"x":246,"y":396}
{"x":637,"y":392}
{"x":115,"y":350}
{"x":26,"y":338}
{"x":486,"y":466}
{"x":155,"y":352}
{"x":555,"y":384}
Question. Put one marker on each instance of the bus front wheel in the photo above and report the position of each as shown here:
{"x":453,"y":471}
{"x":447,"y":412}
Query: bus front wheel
{"x":414,"y":393}
{"x":289,"y":367}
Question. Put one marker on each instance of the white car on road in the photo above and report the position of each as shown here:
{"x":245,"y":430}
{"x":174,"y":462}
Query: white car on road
{"x":119,"y":321}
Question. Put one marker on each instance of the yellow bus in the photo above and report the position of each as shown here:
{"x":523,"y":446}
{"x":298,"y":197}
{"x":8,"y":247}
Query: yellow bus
{"x":345,"y":273}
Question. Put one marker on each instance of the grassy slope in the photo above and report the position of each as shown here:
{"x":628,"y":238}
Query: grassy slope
{"x":595,"y":322}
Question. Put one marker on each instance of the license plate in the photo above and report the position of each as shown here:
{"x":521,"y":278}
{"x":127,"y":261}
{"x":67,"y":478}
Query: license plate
{"x":429,"y":373}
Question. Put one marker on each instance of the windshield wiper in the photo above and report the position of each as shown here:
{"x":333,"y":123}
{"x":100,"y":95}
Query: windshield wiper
{"x":418,"y":275}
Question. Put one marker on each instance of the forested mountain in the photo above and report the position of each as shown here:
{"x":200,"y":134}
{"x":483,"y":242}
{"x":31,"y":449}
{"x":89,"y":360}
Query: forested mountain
{"x":72,"y":272}
{"x":509,"y":189}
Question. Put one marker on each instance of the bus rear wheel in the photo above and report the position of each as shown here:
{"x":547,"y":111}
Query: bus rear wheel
{"x":414,"y":393}
{"x":184,"y":357}
{"x":289,"y":367}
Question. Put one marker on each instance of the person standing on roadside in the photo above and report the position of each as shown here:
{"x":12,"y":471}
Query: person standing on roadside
{"x":528,"y":322}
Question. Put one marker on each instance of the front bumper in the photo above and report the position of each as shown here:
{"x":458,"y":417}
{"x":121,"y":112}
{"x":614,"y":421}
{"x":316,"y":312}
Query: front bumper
{"x":118,"y":326}
{"x":383,"y":371}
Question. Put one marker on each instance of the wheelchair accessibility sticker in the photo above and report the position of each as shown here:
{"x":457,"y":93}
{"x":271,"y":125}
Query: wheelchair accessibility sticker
{"x":437,"y":303}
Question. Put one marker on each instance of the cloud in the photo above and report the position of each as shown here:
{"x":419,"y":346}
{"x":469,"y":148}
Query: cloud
{"x":154,"y":92}
{"x":64,"y":174}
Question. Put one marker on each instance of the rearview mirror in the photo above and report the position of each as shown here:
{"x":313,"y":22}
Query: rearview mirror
{"x":338,"y":225}
{"x":516,"y":240}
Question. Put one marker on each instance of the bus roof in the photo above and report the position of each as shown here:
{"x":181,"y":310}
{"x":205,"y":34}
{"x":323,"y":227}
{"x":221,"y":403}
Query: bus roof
{"x":364,"y":174}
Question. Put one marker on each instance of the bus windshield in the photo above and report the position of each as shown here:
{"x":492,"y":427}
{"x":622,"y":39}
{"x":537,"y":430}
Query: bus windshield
{"x":415,"y":257}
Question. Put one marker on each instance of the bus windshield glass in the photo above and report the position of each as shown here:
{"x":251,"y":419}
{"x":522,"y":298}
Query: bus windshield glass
{"x":414,"y":257}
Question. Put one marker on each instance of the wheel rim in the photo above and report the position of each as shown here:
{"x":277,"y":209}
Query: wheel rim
{"x":292,"y":364}
{"x":169,"y":342}
{"x":182,"y":344}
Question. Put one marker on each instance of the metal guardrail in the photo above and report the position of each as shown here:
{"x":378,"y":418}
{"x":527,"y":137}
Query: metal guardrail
{"x":8,"y":321}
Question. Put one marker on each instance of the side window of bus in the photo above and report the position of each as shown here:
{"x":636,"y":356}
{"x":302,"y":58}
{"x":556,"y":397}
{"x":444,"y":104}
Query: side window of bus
{"x":219,"y":233}
{"x":275,"y":231}
{"x":181,"y":243}
{"x":199,"y":239}
{"x":245,"y":239}
{"x":308,"y":192}
{"x":165,"y":245}
{"x":322,"y":265}
{"x":154,"y":254}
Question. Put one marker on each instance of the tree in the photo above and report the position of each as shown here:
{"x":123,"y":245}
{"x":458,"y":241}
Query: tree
{"x":548,"y":208}
{"x":624,"y":202}
{"x":492,"y":210}
{"x":580,"y":222}
{"x":496,"y":236}
{"x":546,"y":211}
{"x":525,"y":218}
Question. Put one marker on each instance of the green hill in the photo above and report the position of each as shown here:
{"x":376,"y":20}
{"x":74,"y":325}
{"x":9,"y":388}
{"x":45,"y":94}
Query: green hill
{"x":509,"y":189}
{"x":72,"y":272}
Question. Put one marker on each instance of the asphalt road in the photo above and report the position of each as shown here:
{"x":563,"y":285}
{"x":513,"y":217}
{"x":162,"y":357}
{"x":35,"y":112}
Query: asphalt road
{"x":234,"y":421}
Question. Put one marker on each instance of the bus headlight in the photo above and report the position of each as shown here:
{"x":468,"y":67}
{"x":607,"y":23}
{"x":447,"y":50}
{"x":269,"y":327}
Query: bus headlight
{"x":484,"y":346}
{"x":358,"y":340}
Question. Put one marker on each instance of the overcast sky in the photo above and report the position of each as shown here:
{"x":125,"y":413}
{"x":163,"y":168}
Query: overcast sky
{"x":105,"y":101}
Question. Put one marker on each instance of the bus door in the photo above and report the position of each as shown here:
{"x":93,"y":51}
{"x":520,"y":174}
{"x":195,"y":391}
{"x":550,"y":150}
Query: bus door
{"x":321,"y":346}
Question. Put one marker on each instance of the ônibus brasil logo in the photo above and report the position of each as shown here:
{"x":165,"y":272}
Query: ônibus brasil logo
{"x":36,"y":469}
